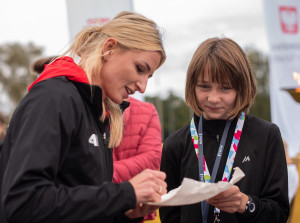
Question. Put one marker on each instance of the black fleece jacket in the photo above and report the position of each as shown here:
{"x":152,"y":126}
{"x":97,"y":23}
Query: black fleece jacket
{"x":55,"y":165}
{"x":260,"y":156}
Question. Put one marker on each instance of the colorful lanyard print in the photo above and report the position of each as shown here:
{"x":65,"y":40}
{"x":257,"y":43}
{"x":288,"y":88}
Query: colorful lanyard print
{"x":205,"y":175}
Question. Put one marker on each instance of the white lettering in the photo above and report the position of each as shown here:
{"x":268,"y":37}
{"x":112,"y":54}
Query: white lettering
{"x":94,"y":140}
{"x":220,"y":150}
{"x":246,"y":159}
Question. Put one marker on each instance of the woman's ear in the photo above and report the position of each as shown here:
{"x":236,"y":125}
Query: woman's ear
{"x":109,"y":45}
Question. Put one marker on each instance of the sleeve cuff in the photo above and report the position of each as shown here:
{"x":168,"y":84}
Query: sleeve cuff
{"x":130,"y":194}
{"x":247,"y":215}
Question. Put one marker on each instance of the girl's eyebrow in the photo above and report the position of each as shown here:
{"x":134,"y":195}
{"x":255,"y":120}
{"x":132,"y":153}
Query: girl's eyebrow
{"x":226,"y":83}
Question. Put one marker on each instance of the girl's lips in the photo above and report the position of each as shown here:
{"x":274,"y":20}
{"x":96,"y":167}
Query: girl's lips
{"x":214,"y":108}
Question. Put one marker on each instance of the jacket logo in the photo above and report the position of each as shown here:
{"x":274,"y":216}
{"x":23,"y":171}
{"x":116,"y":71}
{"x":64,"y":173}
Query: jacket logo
{"x":94,"y":140}
{"x":246,"y":159}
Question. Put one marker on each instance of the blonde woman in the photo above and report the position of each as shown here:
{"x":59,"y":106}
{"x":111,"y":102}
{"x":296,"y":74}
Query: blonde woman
{"x":56,"y":163}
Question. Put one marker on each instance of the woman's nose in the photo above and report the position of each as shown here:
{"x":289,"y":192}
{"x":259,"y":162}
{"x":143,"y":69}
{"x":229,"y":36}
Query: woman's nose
{"x":141,"y":85}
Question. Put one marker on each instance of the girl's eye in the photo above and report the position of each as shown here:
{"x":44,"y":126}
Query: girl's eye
{"x":203,"y":86}
{"x":226,"y":88}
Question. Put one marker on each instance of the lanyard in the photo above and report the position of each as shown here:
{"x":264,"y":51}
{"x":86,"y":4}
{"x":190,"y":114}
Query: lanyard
{"x":219,"y":154}
{"x":204,"y":174}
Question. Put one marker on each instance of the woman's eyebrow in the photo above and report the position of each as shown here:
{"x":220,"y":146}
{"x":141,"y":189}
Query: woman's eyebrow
{"x":147,"y":65}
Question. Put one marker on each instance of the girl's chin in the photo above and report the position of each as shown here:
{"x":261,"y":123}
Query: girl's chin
{"x":210,"y":116}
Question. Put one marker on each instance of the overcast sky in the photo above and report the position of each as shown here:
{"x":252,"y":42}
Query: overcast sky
{"x":185,"y":23}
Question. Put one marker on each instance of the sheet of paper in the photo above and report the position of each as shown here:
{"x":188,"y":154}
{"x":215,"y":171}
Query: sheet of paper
{"x":192,"y":191}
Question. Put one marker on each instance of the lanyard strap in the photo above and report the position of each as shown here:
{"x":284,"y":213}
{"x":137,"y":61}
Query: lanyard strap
{"x":219,"y":154}
{"x":204,"y":175}
{"x":204,"y":204}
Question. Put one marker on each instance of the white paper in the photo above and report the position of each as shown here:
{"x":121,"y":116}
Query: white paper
{"x":192,"y":191}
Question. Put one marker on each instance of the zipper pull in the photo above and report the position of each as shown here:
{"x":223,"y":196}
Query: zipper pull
{"x":104,"y":139}
{"x":218,"y":137}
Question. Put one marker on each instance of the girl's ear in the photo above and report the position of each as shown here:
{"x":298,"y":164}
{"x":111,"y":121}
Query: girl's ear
{"x":109,"y":45}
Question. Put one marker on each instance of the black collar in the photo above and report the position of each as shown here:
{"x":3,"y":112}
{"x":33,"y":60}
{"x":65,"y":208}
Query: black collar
{"x":92,"y":94}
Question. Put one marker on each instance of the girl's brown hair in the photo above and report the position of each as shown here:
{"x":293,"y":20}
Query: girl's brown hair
{"x":226,"y":63}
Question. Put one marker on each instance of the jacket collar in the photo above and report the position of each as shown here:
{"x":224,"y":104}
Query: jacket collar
{"x":63,"y":66}
{"x":92,"y":94}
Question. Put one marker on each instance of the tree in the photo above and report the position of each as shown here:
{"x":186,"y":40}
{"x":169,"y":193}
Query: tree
{"x":260,"y":65}
{"x":15,"y":73}
{"x":173,"y":113}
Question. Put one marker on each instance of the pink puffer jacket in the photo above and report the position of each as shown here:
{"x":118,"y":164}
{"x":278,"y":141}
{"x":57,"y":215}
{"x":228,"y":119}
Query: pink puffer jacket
{"x":141,"y":145}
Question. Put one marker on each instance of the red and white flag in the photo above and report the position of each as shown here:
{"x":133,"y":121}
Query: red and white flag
{"x":282,"y":25}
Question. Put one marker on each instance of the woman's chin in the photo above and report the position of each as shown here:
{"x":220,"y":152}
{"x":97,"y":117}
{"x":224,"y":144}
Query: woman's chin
{"x":118,"y":100}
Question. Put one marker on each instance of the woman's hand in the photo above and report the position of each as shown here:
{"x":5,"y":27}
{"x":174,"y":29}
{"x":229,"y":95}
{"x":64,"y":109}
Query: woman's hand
{"x":149,"y":185}
{"x":141,"y":210}
{"x":231,"y":200}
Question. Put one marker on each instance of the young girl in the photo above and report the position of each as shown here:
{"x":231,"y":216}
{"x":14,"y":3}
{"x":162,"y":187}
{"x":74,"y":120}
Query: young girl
{"x":221,"y":88}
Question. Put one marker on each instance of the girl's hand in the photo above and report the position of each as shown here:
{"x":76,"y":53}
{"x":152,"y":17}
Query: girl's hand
{"x":231,"y":200}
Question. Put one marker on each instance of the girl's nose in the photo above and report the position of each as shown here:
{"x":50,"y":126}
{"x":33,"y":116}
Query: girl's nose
{"x":213,"y":96}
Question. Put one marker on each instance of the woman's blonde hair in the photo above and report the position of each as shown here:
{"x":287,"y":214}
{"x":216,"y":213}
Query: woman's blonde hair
{"x":132,"y":31}
{"x":226,"y":63}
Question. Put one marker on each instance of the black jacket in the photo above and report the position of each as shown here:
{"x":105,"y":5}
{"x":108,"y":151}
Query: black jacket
{"x":1,"y":144}
{"x":260,"y":156}
{"x":55,"y":165}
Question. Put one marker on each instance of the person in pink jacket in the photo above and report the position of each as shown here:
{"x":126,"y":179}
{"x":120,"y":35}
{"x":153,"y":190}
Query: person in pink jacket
{"x":141,"y":146}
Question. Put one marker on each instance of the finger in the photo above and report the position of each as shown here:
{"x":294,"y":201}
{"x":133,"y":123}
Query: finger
{"x":150,"y":208}
{"x":225,"y":202}
{"x":225,"y":199}
{"x":153,"y":175}
{"x":161,"y":189}
{"x":229,"y":210}
{"x":159,"y":174}
{"x":154,"y":207}
{"x":231,"y":192}
{"x":156,"y":197}
{"x":225,"y":206}
{"x":147,"y":209}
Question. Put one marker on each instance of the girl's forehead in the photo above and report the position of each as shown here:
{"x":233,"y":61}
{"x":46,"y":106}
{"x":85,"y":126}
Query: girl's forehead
{"x":210,"y":77}
{"x":207,"y":76}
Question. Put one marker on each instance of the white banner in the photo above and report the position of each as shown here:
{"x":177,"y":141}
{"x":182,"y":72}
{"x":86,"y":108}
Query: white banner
{"x":93,"y":12}
{"x":282,"y":19}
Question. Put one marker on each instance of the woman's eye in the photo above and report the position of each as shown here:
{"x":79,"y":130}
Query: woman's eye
{"x":139,"y":69}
